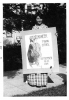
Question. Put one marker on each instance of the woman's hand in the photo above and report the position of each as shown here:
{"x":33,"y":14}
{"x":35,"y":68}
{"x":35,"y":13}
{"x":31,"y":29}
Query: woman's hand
{"x":56,"y":34}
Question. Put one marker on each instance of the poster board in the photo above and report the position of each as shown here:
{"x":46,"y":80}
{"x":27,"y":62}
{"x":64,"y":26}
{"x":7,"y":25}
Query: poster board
{"x":39,"y":51}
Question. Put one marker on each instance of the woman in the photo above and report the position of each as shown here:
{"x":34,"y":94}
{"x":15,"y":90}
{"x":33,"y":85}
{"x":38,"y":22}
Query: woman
{"x":39,"y":23}
{"x":38,"y":79}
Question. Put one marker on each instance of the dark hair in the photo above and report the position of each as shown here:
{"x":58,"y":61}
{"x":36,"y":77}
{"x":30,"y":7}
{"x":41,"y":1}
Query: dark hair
{"x":39,"y":14}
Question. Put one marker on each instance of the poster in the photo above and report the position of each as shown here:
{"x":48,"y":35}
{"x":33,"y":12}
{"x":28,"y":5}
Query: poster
{"x":39,"y":51}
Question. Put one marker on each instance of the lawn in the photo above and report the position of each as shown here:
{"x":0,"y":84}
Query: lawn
{"x":54,"y":91}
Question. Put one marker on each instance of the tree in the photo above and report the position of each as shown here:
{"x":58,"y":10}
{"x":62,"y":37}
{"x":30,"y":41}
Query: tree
{"x":16,"y":16}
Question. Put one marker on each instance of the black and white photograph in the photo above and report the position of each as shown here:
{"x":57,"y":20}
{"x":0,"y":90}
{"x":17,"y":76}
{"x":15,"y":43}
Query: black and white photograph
{"x":34,"y":49}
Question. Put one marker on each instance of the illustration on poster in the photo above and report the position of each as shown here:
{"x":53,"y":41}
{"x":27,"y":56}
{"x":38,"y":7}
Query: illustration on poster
{"x":34,"y":52}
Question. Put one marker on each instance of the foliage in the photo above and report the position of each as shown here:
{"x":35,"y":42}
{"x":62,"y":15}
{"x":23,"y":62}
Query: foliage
{"x":12,"y":57}
{"x":54,"y":15}
{"x":14,"y":15}
{"x":6,"y":42}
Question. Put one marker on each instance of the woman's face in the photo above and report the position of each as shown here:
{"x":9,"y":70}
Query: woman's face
{"x":38,"y":20}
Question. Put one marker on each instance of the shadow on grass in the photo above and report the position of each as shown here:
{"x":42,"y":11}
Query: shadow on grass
{"x":64,"y":77}
{"x":50,"y":80}
{"x":12,"y":74}
{"x":54,"y":91}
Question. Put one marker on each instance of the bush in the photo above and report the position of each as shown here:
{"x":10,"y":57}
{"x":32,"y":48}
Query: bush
{"x":12,"y":57}
{"x":6,"y":42}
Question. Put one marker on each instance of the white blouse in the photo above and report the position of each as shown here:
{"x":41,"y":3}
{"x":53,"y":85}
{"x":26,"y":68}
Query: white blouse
{"x":40,"y":26}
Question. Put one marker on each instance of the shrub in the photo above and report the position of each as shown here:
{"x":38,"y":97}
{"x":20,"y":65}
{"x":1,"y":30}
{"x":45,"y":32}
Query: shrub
{"x":12,"y":57}
{"x":6,"y":42}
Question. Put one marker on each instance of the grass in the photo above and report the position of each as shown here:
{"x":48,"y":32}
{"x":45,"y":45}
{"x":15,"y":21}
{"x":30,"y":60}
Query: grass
{"x":54,"y":91}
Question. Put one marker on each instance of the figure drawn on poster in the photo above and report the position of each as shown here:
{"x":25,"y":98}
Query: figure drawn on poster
{"x":34,"y":52}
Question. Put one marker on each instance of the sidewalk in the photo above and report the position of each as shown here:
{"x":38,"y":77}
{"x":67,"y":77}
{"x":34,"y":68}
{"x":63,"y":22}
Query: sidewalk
{"x":14,"y":85}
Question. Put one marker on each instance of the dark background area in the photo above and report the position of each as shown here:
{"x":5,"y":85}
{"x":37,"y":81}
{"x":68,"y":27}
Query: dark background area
{"x":54,"y":15}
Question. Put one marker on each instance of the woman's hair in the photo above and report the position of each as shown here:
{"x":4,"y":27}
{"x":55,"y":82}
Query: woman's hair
{"x":40,"y":15}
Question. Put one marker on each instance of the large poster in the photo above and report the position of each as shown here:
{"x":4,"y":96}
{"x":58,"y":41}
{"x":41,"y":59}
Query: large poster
{"x":39,"y":51}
